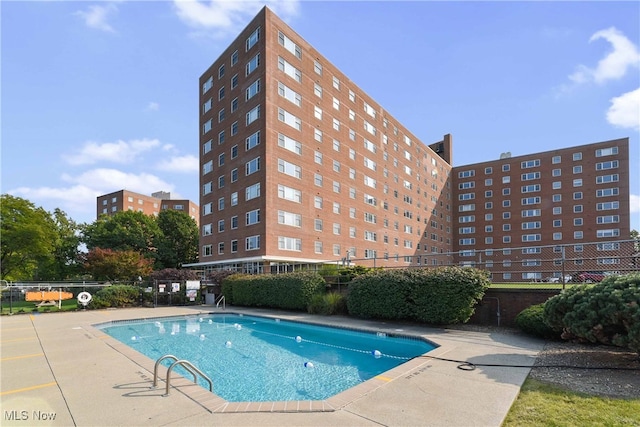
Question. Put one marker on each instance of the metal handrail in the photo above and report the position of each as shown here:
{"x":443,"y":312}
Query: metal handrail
{"x":223,"y":301}
{"x":155,"y":369}
{"x":185,"y":364}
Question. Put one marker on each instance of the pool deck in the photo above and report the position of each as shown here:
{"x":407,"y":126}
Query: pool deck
{"x":59,"y":370}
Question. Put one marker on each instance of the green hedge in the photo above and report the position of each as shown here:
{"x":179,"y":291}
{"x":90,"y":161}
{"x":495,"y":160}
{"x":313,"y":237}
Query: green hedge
{"x":531,"y":321}
{"x":290,"y":291}
{"x":116,"y":296}
{"x":443,"y":295}
{"x":605,"y":313}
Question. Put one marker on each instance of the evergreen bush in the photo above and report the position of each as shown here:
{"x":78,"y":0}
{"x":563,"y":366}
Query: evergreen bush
{"x":606,"y":313}
{"x":116,"y":296}
{"x":444,"y":295}
{"x":290,"y":291}
{"x":531,"y":321}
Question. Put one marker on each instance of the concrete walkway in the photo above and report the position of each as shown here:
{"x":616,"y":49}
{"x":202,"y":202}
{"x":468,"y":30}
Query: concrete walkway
{"x":59,"y":370}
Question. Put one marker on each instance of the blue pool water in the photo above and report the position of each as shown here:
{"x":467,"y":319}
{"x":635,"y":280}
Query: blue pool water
{"x":262,"y":359}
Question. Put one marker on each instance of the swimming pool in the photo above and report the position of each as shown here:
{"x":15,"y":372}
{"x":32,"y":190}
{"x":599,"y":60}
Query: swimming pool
{"x":260,"y":359}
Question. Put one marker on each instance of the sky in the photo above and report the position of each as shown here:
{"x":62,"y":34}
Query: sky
{"x":99,"y":96}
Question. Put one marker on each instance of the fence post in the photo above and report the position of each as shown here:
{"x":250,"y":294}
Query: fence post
{"x":563,"y":267}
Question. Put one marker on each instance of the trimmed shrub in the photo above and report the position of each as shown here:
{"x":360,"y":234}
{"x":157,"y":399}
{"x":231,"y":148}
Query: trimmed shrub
{"x":290,"y":291}
{"x":606,"y":313}
{"x":531,"y":321}
{"x":328,"y":304}
{"x":443,"y":295}
{"x":116,"y":296}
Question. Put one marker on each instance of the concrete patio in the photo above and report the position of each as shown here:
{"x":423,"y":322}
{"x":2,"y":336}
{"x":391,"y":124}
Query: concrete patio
{"x":59,"y":370}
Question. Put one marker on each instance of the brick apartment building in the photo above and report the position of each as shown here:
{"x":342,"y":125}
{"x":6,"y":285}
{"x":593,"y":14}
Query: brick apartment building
{"x":122,"y":200}
{"x":299,"y":166}
{"x":540,"y":203}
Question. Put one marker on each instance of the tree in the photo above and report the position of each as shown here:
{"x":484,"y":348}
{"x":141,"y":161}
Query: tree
{"x":179,"y":241}
{"x":174,"y":275}
{"x":126,"y":230}
{"x":27,"y":238}
{"x":65,"y":261}
{"x":126,"y":265}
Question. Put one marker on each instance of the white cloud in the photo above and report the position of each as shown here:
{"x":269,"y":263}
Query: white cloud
{"x":227,"y":16}
{"x":153,"y":106}
{"x":78,"y":199}
{"x":613,"y":66}
{"x":625,"y":110}
{"x":107,"y":180}
{"x":117,"y":152}
{"x":96,"y":16}
{"x":181,"y":164}
{"x":634,"y":203}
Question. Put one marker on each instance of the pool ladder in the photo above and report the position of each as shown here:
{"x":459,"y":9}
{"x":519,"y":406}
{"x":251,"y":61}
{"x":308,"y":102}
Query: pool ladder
{"x":178,"y":362}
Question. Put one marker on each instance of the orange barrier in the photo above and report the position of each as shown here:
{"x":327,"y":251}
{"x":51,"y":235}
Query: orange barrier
{"x":48,"y":295}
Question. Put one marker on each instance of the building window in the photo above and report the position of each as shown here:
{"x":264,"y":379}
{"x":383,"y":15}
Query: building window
{"x":206,"y":250}
{"x":289,"y":244}
{"x":252,"y":243}
{"x":289,"y":193}
{"x":252,"y":217}
{"x":208,"y":84}
{"x":288,"y":44}
{"x":288,"y":218}
{"x":252,"y":191}
{"x":289,"y":119}
{"x":252,"y":90}
{"x":253,"y":115}
{"x":252,"y":166}
{"x":253,"y":39}
{"x":289,"y":169}
{"x":289,"y":69}
{"x":289,"y":144}
{"x":607,"y":152}
{"x":613,"y":164}
{"x":289,"y":94}
{"x":252,"y":141}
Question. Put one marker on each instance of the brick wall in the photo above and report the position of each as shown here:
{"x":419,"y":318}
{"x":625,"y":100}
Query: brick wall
{"x":511,"y":302}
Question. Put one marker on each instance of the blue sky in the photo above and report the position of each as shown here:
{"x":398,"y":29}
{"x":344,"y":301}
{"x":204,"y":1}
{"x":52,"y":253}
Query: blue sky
{"x":99,"y":96}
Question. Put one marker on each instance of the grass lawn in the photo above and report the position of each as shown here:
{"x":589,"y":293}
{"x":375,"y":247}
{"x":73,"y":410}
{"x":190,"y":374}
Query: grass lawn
{"x":30,"y":307}
{"x":540,"y":404}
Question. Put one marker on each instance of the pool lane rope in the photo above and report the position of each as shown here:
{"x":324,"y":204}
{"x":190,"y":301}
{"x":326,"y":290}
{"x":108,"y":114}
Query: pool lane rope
{"x":375,"y":353}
